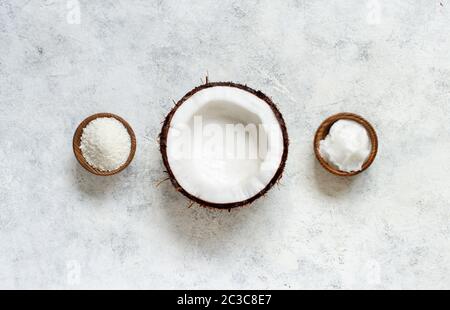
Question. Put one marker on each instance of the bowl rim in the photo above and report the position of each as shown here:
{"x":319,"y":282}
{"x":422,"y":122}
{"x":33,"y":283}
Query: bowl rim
{"x":323,"y":130}
{"x":77,"y":140}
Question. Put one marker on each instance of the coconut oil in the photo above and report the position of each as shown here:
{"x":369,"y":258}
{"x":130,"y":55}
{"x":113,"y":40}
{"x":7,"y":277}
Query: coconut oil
{"x":347,"y":145}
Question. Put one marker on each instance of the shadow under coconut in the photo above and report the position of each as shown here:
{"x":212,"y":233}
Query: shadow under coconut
{"x":212,"y":230}
{"x":333,"y":185}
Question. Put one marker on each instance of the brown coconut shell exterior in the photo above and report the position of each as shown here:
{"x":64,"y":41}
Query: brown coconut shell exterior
{"x":204,"y":203}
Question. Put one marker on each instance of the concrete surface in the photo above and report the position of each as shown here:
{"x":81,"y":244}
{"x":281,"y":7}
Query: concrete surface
{"x":61,"y":227}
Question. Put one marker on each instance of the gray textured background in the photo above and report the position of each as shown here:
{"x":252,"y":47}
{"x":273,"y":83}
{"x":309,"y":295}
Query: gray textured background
{"x":61,"y":227}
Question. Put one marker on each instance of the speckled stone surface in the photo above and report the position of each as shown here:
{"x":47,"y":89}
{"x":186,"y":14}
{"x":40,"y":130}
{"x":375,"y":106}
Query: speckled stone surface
{"x":61,"y":227}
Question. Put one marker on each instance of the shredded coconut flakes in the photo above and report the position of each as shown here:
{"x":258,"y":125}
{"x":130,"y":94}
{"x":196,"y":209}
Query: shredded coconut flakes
{"x":105,"y":143}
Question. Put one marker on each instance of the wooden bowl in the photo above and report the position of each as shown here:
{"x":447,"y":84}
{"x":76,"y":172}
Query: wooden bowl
{"x":323,"y":130}
{"x":77,"y":140}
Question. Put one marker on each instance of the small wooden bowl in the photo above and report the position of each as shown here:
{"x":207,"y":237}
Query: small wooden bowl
{"x":77,"y":140}
{"x":323,"y":130}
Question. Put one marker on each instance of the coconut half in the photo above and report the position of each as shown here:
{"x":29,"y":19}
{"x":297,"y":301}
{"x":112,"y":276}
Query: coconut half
{"x":224,"y":145}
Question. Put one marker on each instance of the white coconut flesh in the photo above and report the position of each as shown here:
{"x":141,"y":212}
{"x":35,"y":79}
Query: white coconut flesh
{"x":217,"y":175}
